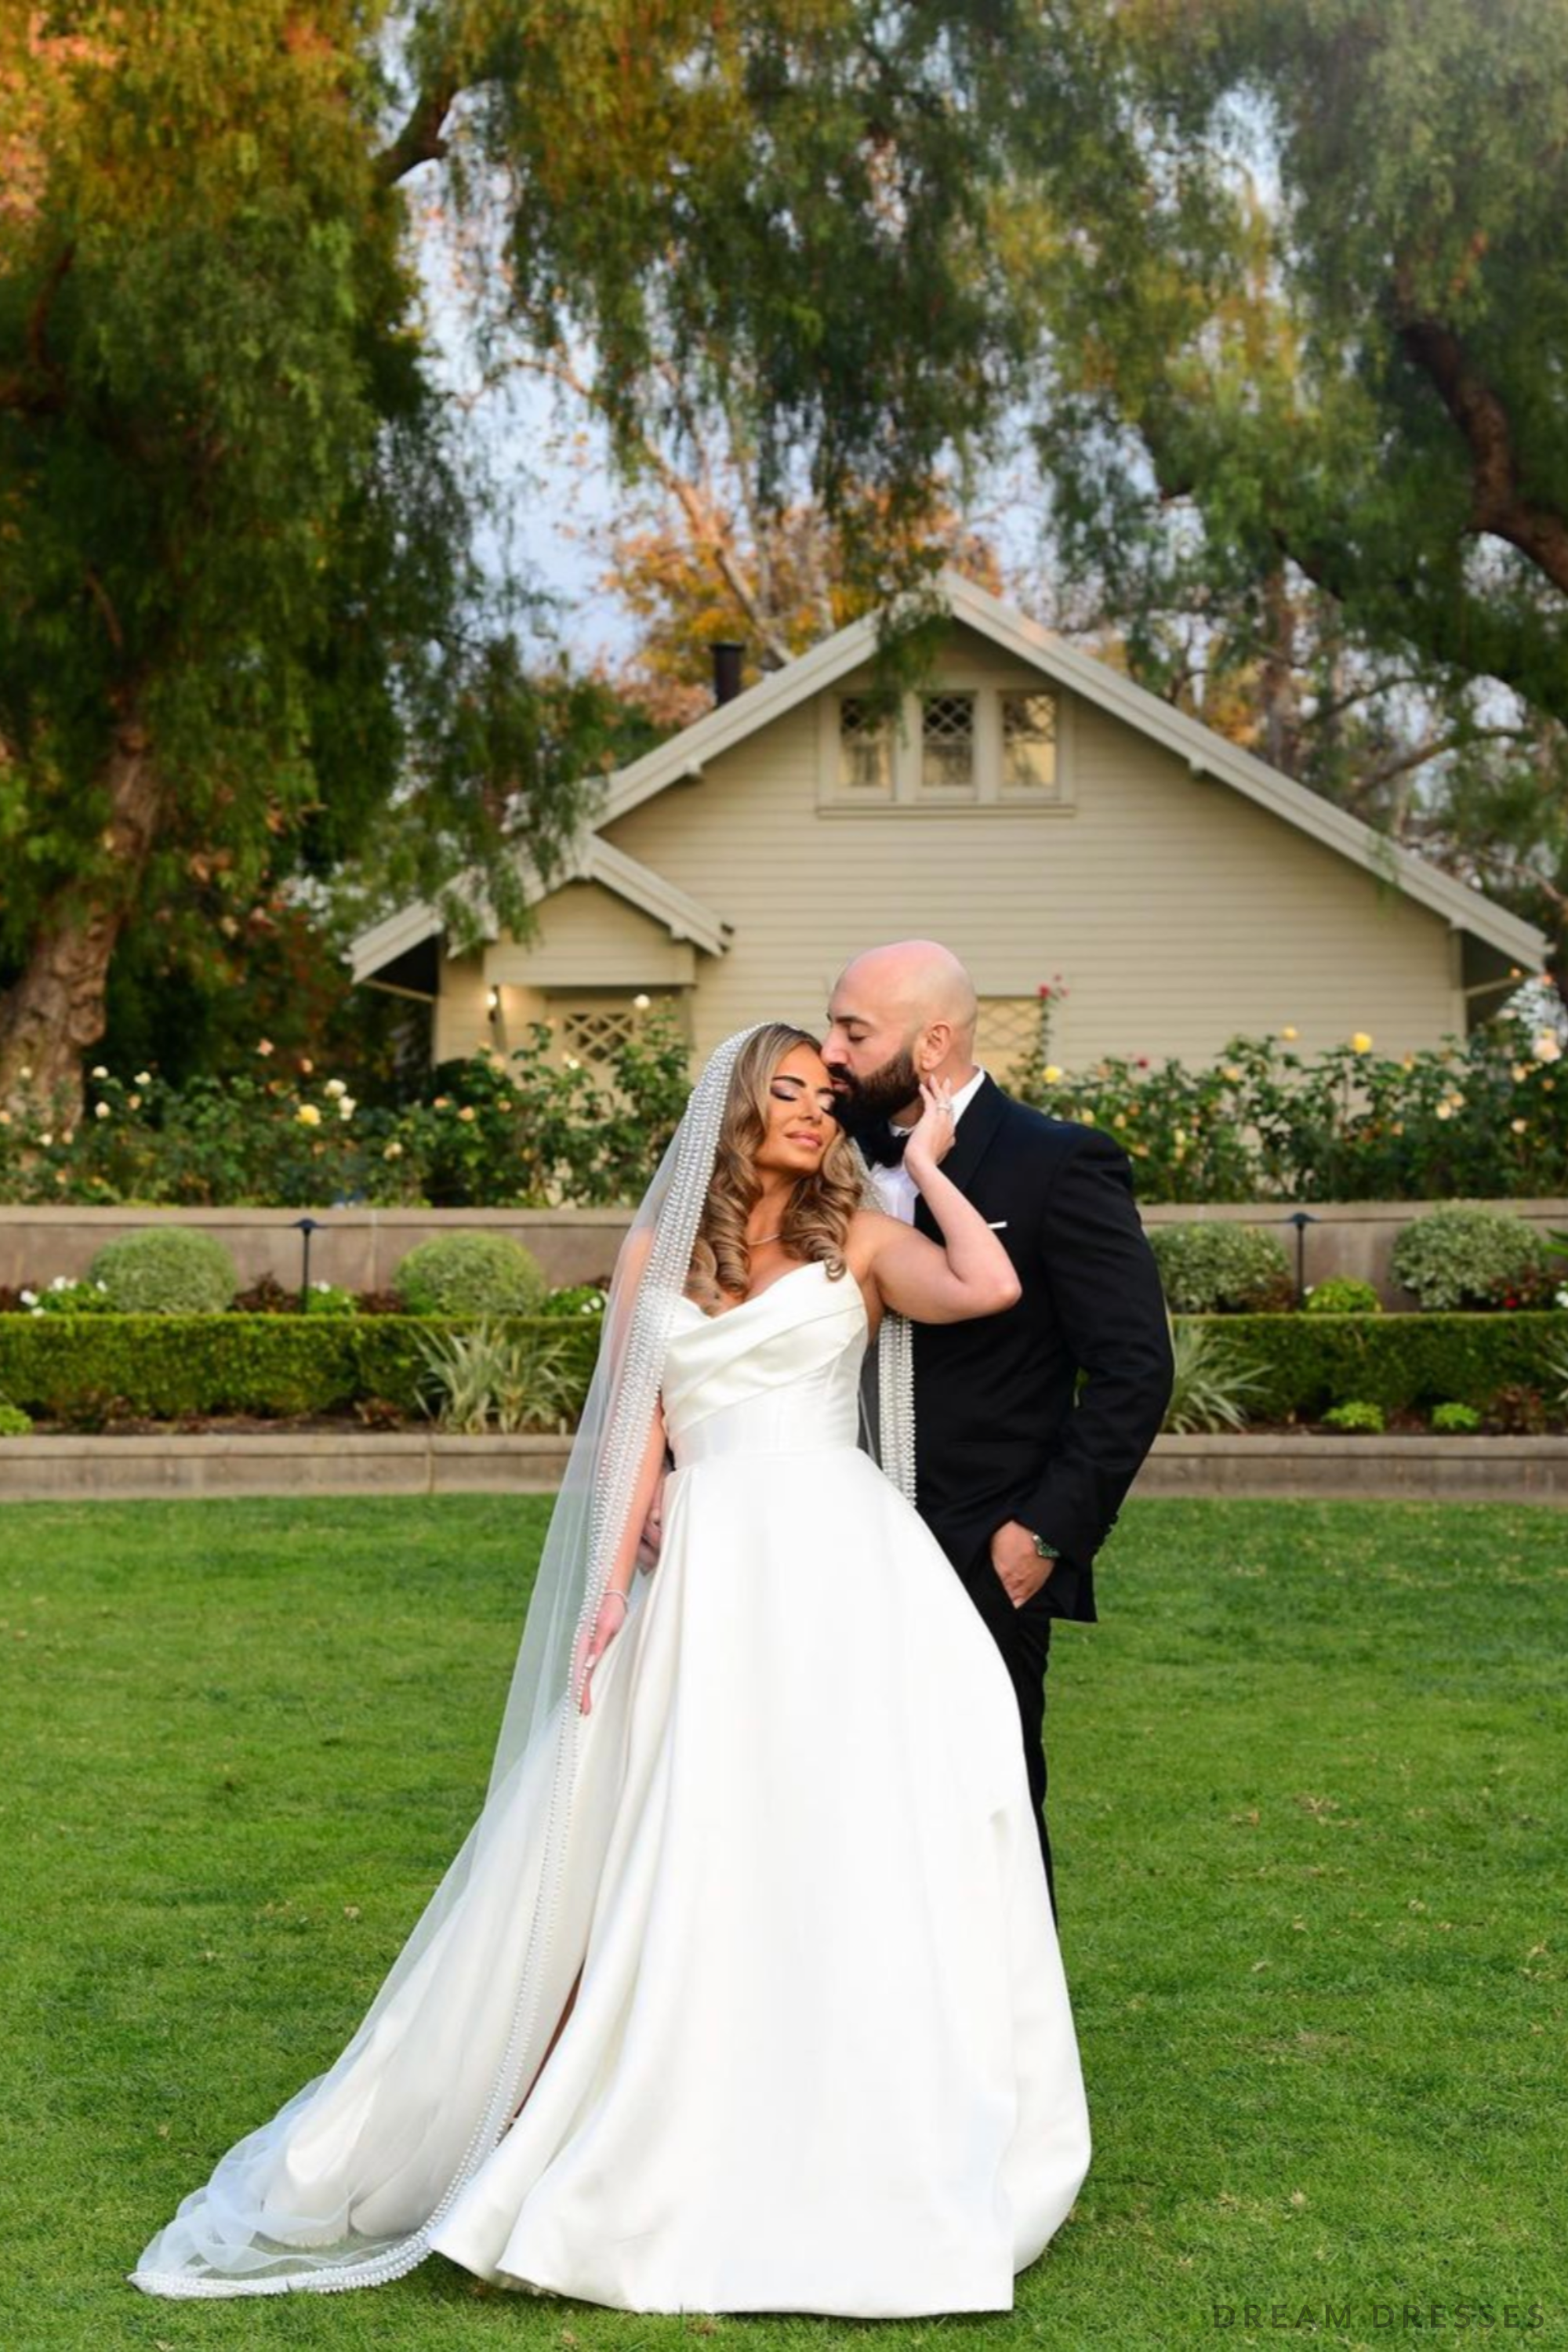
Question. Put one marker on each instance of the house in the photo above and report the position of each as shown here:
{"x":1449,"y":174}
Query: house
{"x":1034,"y":809}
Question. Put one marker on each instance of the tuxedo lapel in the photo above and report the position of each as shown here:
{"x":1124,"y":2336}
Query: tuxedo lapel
{"x":976,"y":1132}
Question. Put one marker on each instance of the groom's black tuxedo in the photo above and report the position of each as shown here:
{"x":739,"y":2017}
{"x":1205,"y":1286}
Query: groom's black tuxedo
{"x":998,"y":1436}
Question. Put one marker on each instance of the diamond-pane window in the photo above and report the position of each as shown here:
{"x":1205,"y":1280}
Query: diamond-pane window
{"x":1029,"y":743}
{"x":947,"y":744}
{"x":865,"y":750}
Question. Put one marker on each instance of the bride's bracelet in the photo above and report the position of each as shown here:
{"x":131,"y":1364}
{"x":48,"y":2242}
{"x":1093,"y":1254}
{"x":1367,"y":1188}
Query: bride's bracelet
{"x":615,"y":1593}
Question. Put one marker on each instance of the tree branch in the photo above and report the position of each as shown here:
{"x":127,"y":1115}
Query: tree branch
{"x":421,"y":139}
{"x":1497,"y":503}
{"x":39,"y":388}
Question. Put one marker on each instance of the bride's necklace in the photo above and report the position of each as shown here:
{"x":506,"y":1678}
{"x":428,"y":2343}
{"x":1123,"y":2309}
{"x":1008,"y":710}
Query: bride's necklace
{"x":763,"y":1239}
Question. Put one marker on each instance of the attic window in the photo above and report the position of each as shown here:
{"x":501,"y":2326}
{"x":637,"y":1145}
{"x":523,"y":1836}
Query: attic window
{"x":947,"y":744}
{"x":864,"y":751}
{"x":974,"y":744}
{"x":1028,"y":743}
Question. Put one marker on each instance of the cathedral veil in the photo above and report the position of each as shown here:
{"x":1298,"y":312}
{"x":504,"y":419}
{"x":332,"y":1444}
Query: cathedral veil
{"x":347,"y":2184}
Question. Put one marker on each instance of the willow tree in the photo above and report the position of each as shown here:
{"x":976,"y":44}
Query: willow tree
{"x":240,"y":613}
{"x":1302,"y":302}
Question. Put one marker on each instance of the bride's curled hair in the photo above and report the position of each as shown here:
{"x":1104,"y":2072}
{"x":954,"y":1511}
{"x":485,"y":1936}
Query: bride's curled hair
{"x":816,"y":1219}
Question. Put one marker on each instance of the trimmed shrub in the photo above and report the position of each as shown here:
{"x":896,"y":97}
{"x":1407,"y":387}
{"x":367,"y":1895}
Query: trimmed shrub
{"x":470,"y":1274}
{"x":1342,"y":1295}
{"x":1455,"y":1420}
{"x":14,"y":1422}
{"x":1466,"y":1256}
{"x":1309,"y":1362}
{"x":1218,"y":1269}
{"x":166,"y":1366}
{"x":165,"y":1270}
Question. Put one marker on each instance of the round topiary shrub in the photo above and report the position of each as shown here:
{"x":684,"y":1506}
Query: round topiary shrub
{"x":165,"y":1270}
{"x":470,"y":1274}
{"x":1209,"y":1270}
{"x":1464,"y":1256}
{"x":1343,"y":1294}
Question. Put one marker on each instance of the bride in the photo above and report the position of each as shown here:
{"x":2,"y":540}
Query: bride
{"x":743,"y":1993}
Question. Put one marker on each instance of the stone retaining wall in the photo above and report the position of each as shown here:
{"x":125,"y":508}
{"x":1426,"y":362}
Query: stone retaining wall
{"x":360,"y":1249}
{"x":1365,"y":1469}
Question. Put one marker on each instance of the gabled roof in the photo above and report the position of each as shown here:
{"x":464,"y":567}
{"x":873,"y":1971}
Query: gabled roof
{"x":591,"y":860}
{"x":685,"y":756}
{"x":1205,"y":752}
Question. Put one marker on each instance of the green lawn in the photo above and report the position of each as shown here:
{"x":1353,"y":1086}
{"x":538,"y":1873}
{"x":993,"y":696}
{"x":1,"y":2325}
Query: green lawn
{"x":1309,"y":1800}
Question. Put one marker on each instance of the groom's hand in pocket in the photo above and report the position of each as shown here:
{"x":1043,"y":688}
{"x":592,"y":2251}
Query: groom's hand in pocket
{"x":1017,"y":1563}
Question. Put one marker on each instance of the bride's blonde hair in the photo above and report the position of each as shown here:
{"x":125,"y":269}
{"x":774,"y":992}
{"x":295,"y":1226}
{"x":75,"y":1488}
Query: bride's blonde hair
{"x":816,"y":1218}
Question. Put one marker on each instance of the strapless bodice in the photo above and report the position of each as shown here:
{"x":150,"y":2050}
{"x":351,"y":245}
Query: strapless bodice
{"x":778,"y":1374}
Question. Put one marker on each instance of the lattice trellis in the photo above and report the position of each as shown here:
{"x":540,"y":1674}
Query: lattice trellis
{"x":1029,"y":742}
{"x":865,"y":750}
{"x":1006,"y":1032}
{"x":597,"y":1036}
{"x":947,"y":743}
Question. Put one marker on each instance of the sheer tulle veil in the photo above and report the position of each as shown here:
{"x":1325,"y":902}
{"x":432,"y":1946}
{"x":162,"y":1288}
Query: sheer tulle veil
{"x":346,"y":2185}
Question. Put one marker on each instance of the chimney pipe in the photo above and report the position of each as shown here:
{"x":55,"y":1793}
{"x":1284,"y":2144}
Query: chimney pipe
{"x":727,"y":659}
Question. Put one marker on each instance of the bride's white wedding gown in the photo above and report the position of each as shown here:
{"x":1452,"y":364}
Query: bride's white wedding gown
{"x":821,"y":2057}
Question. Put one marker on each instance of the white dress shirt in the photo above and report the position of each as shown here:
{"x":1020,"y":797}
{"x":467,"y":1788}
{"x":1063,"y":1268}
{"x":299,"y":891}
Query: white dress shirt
{"x":896,"y":1189}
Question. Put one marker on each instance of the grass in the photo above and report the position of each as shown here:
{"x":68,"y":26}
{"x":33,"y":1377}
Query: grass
{"x":1308,"y":1797}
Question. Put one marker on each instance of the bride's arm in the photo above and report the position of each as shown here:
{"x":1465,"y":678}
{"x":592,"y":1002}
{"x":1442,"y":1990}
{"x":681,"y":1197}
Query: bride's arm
{"x":611,"y":1614}
{"x":967,"y":1274}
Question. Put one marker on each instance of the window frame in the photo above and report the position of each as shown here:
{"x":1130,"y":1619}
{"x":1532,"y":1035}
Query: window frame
{"x":908,"y":796}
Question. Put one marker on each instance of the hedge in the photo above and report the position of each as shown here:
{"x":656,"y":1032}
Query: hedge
{"x":1309,"y":1362}
{"x":167,"y":1365}
{"x":163,"y":1365}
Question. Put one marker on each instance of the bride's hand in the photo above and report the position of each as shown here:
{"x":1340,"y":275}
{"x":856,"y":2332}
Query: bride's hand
{"x":608,"y":1620}
{"x":931,"y":1138}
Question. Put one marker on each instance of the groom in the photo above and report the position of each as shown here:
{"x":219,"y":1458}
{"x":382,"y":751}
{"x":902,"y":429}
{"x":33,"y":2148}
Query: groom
{"x":1019,"y":1483}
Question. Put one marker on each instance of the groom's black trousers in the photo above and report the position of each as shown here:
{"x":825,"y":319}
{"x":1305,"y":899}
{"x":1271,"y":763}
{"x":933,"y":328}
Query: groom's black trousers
{"x":1024,"y":1637}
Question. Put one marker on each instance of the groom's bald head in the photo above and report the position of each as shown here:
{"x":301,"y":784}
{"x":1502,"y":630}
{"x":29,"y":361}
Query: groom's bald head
{"x":897,"y":1014}
{"x":918,"y":983}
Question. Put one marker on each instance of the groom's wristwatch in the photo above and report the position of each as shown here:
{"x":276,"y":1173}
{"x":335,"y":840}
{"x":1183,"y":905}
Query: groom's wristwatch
{"x":1043,"y":1550}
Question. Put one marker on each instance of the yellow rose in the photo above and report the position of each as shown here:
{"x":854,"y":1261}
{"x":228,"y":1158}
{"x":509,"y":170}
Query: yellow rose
{"x":1362,"y":1041}
{"x":308,"y":1115}
{"x":1548,"y":1046}
{"x":1289,"y":1034}
{"x":1052,"y":1075}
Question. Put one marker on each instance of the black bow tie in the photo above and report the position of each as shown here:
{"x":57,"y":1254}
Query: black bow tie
{"x":882,"y":1147}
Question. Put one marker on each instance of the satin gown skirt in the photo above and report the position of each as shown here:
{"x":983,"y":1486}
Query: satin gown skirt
{"x":822,"y":2056}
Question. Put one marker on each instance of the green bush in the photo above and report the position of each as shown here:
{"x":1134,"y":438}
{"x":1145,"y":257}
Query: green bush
{"x":1213,"y":1268}
{"x":164,"y":1366}
{"x":14,"y":1422}
{"x":1464,"y":1256}
{"x":167,"y":1366}
{"x":1309,"y":1362}
{"x":1455,"y":1420}
{"x":470,"y":1274}
{"x":1342,"y":1295}
{"x":165,"y":1270}
{"x":1357,"y":1419}
{"x":1214,"y":1385}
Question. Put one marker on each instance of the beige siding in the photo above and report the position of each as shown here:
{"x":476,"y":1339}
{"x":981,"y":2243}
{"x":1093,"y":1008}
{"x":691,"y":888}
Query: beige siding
{"x":588,"y":938}
{"x":1176,"y":910}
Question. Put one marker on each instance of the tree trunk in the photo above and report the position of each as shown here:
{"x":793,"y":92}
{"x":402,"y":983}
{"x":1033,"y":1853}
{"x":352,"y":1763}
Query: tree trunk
{"x":55,"y":1010}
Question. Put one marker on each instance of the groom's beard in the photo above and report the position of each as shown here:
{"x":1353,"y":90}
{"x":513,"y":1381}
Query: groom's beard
{"x":868,"y":1103}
